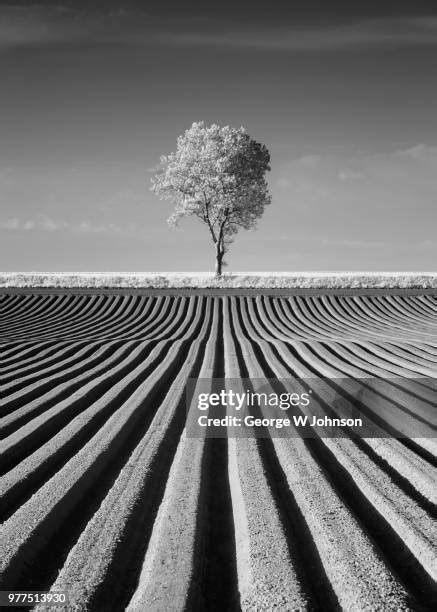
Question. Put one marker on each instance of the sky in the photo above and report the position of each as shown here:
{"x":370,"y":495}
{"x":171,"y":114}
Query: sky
{"x":343,"y":94}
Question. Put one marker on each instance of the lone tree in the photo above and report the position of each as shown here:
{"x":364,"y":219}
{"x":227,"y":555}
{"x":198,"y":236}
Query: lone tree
{"x":216,"y":175}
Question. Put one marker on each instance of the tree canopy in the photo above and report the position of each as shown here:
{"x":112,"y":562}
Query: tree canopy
{"x":217,"y":174}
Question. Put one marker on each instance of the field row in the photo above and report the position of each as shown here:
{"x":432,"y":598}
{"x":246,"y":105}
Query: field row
{"x":104,"y":495}
{"x":30,"y":318}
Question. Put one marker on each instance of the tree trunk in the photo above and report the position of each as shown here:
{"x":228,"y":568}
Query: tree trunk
{"x":219,"y":252}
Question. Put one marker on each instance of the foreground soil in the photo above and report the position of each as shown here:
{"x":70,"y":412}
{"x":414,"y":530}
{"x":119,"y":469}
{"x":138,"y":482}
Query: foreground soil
{"x":104,"y":495}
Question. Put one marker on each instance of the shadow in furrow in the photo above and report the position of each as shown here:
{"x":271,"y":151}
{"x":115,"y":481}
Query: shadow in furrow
{"x":38,"y":563}
{"x":371,"y":415}
{"x":46,"y":385}
{"x":419,"y":450}
{"x":403,"y":483}
{"x":50,"y":428}
{"x":47,"y":430}
{"x":35,"y":392}
{"x":391,"y":432}
{"x":395,"y":552}
{"x":302,"y":549}
{"x":13,"y":361}
{"x":122,"y":577}
{"x":27,"y":486}
{"x":51,"y":362}
{"x":64,"y":393}
{"x":215,"y":583}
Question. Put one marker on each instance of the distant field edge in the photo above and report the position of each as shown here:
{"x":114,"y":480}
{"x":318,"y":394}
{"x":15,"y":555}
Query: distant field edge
{"x":273,"y":283}
{"x":222,"y":291}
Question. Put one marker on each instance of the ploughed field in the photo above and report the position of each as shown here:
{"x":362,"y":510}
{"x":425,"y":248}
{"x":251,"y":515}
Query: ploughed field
{"x":104,"y":496}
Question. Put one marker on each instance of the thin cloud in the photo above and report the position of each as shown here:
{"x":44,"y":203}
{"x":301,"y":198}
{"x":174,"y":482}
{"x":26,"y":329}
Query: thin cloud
{"x":38,"y":24}
{"x":419,"y":152}
{"x":427,"y":244}
{"x":358,"y":166}
{"x":48,"y":224}
{"x":44,"y":223}
{"x":346,"y":174}
{"x":10,"y":224}
{"x":358,"y":34}
{"x":45,"y":25}
{"x":361,"y":244}
{"x":380,"y":204}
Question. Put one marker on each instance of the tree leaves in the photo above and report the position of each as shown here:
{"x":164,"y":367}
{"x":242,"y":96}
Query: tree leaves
{"x":216,"y":174}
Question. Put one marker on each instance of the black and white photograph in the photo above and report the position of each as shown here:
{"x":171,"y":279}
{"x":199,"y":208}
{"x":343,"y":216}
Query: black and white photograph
{"x":218,"y":305}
